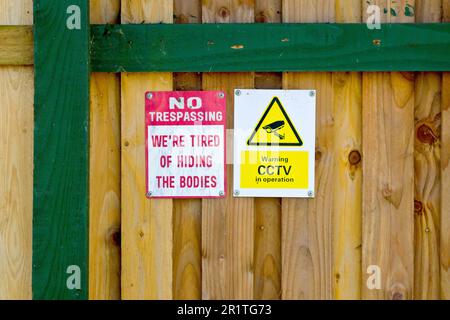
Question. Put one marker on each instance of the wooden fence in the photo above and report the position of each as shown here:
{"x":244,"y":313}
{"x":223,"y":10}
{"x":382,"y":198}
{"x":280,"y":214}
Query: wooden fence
{"x":382,"y":176}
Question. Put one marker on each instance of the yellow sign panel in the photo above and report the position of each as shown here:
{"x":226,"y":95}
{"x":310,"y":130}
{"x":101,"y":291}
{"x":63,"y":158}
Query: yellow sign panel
{"x":275,"y":128}
{"x":274,"y":170}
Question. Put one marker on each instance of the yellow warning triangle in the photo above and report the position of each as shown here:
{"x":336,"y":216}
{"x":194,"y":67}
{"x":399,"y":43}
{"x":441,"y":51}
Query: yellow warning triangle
{"x":275,"y":128}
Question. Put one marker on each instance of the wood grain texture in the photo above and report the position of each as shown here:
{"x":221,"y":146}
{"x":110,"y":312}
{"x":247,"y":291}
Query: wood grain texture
{"x":445,"y":175}
{"x":16,"y":165}
{"x":347,"y":192}
{"x":427,"y":201}
{"x":267,"y":282}
{"x":445,"y":204}
{"x":228,"y":11}
{"x":388,"y":186}
{"x":105,"y":169}
{"x":267,"y":11}
{"x":309,"y":11}
{"x":104,"y":207}
{"x":267,"y":279}
{"x":17,"y":12}
{"x":105,"y":11}
{"x":147,"y":11}
{"x":307,"y":223}
{"x":187,"y":214}
{"x":429,"y":11}
{"x":388,"y":164}
{"x":348,"y":11}
{"x":147,"y":238}
{"x":187,"y":11}
{"x":16,"y":183}
{"x":16,"y":45}
{"x":445,"y":10}
{"x":187,"y":232}
{"x":347,"y":189}
{"x":228,"y":224}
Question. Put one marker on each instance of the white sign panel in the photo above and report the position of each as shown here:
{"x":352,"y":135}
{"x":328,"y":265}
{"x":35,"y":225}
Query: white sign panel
{"x":274,"y":143}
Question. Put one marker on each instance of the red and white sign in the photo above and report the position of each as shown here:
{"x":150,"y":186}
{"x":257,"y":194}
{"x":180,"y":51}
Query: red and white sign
{"x":185,"y":144}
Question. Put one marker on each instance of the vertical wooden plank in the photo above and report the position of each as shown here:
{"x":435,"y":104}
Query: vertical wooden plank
{"x":228,"y":11}
{"x":428,"y":11}
{"x":427,"y":201}
{"x":307,"y":223}
{"x":187,"y":11}
{"x":308,"y":11}
{"x":16,"y":183}
{"x":228,"y":224}
{"x":18,"y":12}
{"x":16,"y":165}
{"x":61,"y":150}
{"x":445,"y":176}
{"x":388,"y":165}
{"x":105,"y":11}
{"x":388,"y":116}
{"x":146,"y":224}
{"x":187,"y":273}
{"x":348,"y":11}
{"x":268,"y":11}
{"x":104,"y":176}
{"x":187,"y":214}
{"x":427,"y":182}
{"x":446,"y":10}
{"x":267,"y":278}
{"x":347,"y":190}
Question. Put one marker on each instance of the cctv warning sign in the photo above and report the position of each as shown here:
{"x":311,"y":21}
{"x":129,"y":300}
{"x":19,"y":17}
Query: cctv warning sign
{"x":275,"y":128}
{"x":185,"y":144}
{"x":274,"y":143}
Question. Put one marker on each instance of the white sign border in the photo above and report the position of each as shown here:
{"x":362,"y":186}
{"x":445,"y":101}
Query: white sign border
{"x":306,"y":110}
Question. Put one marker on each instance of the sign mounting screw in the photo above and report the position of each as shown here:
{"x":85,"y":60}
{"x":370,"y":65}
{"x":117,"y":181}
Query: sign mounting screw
{"x":149,"y":95}
{"x":312,"y":93}
{"x":221,"y":95}
{"x":221,"y":193}
{"x":238,"y":92}
{"x":310,"y":194}
{"x":149,"y":194}
{"x":236,"y":193}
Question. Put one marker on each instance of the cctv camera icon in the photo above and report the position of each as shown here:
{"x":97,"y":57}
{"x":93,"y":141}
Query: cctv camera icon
{"x":274,"y":128}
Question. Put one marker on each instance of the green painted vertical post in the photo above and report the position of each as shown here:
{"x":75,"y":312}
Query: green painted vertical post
{"x":61,"y":145}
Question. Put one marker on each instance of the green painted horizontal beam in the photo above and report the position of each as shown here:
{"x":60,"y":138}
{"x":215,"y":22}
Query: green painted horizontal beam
{"x":270,"y":47}
{"x":254,"y":47}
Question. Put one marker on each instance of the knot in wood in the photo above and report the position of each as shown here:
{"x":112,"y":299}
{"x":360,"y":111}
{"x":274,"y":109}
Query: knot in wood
{"x":261,"y":17}
{"x":426,"y":135}
{"x":116,"y":238}
{"x":224,"y":12}
{"x":318,"y":155}
{"x":354,"y":157}
{"x":397,"y":296}
{"x":418,"y":207}
{"x":182,"y":18}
